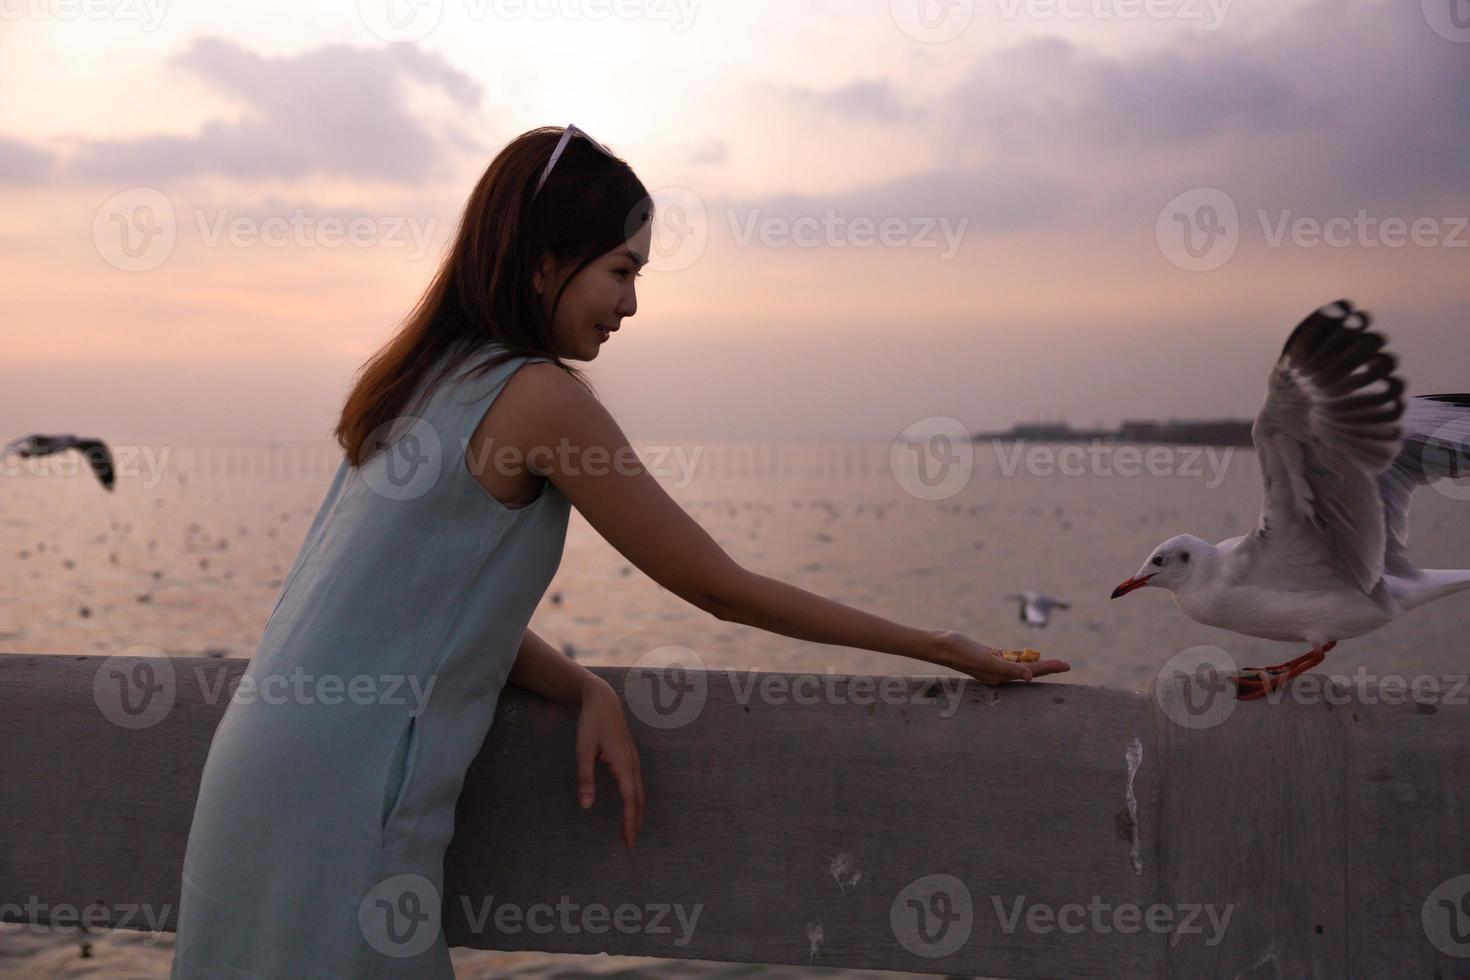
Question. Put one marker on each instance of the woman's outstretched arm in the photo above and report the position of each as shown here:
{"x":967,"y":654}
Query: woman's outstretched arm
{"x":568,"y":436}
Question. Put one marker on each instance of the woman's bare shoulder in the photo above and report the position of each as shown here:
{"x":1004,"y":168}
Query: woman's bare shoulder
{"x":544,"y":378}
{"x":540,"y":399}
{"x":545,"y":386}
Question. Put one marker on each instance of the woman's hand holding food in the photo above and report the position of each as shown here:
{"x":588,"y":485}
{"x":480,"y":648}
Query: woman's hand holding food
{"x":990,"y":665}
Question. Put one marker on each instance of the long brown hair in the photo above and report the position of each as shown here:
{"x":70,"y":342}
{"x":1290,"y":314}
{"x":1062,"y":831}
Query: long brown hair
{"x":483,"y":294}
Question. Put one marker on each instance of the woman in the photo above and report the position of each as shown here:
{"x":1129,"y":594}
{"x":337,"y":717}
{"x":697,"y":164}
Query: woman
{"x":467,"y":440}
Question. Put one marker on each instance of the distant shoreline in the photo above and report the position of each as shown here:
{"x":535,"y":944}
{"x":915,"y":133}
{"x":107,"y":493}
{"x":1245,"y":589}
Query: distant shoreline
{"x":1215,"y":432}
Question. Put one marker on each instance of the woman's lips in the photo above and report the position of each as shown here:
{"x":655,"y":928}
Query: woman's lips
{"x":603,"y":333}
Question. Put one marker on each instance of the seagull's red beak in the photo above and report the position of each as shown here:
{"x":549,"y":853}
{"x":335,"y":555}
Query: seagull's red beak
{"x":1131,"y":584}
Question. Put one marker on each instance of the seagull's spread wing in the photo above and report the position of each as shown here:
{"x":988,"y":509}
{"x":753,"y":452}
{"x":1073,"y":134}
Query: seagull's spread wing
{"x":1329,"y":427}
{"x":1024,"y":607}
{"x":99,"y":457}
{"x":1436,"y":446}
{"x":12,"y":446}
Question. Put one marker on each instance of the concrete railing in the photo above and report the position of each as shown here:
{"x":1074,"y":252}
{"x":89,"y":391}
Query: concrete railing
{"x":920,"y":824}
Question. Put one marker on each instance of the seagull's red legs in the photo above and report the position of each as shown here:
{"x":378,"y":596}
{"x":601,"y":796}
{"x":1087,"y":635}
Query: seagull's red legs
{"x":1267,"y":679}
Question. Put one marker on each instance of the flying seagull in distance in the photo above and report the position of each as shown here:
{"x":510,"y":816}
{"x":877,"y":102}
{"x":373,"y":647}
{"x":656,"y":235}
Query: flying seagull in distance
{"x":1341,"y":454}
{"x":1036,"y":607}
{"x":96,"y":451}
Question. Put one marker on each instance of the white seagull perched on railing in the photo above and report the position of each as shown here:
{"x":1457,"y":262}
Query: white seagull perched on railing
{"x":99,"y":457}
{"x":1341,"y":455}
{"x":1036,"y":607}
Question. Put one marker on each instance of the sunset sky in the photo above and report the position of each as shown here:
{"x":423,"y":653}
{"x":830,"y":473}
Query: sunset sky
{"x":1066,"y":148}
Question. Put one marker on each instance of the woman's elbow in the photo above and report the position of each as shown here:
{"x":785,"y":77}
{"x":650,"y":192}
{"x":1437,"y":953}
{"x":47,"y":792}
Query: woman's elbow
{"x":719,"y":594}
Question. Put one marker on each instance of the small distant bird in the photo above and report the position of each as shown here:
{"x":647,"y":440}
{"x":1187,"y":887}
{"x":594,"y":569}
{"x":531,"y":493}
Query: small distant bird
{"x":1036,"y":607}
{"x":96,"y":451}
{"x":1341,"y":455}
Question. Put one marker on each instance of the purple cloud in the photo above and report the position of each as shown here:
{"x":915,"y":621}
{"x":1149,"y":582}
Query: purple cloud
{"x":1342,"y":105}
{"x":333,"y":110}
{"x":711,"y":151}
{"x":861,"y":99}
{"x":994,"y":198}
{"x":1049,"y":93}
{"x":22,"y":164}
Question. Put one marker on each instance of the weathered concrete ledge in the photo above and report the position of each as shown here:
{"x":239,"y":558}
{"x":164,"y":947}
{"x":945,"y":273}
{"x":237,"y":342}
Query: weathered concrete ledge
{"x":1039,"y":831}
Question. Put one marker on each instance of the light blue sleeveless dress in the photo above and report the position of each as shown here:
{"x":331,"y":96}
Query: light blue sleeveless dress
{"x":327,"y":800}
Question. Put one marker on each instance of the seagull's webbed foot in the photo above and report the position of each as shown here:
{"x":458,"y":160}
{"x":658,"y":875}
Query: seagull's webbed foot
{"x":1249,"y":686}
{"x":1257,"y":682}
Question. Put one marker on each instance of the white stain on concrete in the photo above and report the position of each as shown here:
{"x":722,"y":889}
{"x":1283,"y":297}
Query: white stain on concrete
{"x":814,"y":940}
{"x":1134,"y":757}
{"x":1268,"y":956}
{"x":845,"y":872}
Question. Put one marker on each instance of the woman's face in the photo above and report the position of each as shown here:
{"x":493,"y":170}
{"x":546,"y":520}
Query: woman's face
{"x":596,"y":301}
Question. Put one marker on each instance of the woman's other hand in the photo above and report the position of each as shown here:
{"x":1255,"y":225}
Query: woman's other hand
{"x":602,"y":735}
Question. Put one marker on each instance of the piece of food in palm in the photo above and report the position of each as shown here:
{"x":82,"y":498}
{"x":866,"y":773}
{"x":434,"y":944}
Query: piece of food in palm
{"x":1024,"y":656}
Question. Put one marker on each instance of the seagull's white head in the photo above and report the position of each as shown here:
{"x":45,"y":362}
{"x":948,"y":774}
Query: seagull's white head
{"x":1171,"y":565}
